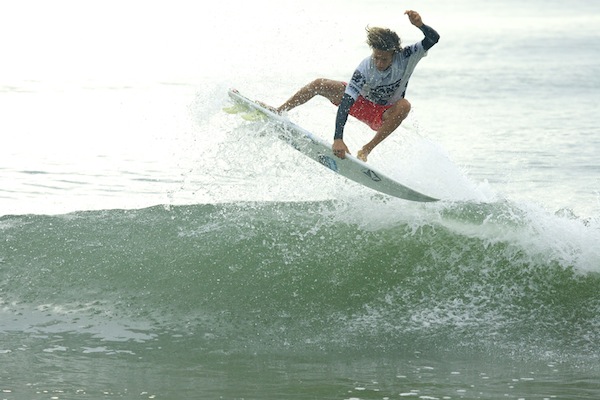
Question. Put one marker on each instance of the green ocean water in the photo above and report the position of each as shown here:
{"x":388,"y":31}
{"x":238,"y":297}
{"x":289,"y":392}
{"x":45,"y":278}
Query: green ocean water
{"x":154,"y":246}
{"x":183,"y":299}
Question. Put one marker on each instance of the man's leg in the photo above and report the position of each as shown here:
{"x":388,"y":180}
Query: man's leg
{"x":392,"y":118}
{"x":330,"y":89}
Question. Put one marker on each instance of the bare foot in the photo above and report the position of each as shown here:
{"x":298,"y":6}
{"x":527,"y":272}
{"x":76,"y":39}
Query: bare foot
{"x":362,"y":155}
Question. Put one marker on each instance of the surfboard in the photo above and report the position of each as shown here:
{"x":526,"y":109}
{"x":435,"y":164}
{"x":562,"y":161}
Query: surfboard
{"x":319,"y":150}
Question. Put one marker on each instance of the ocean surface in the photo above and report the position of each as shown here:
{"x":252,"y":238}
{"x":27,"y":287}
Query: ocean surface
{"x":153,"y":246}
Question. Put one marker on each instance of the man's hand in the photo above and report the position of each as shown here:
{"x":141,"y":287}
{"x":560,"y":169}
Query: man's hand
{"x":339,"y":148}
{"x":414,"y":18}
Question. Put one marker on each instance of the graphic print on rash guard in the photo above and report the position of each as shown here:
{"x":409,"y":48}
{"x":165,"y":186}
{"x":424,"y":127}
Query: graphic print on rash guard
{"x":389,"y":86}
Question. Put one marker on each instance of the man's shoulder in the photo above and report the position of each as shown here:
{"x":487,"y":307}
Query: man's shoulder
{"x":366,"y":63}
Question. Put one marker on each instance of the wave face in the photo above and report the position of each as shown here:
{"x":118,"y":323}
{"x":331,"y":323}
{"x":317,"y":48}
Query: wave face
{"x":322,"y":276}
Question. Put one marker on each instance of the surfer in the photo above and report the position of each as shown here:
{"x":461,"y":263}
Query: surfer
{"x":375,"y":94}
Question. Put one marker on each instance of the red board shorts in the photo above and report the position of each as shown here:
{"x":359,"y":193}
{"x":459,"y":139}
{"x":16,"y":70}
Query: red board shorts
{"x":368,"y":112}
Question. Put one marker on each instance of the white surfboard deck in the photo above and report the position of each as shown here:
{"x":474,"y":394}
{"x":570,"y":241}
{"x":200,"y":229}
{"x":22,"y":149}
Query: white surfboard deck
{"x":320,"y":151}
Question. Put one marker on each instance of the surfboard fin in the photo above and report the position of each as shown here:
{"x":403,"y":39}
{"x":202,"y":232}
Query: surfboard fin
{"x":253,"y":116}
{"x":246,"y":113}
{"x":234,"y":109}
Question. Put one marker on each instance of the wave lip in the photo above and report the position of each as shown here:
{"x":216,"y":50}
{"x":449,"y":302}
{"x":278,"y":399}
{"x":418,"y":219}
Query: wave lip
{"x":304,"y":275}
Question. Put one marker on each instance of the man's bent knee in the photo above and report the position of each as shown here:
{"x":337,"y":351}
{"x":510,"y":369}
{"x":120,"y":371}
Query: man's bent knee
{"x":319,"y":85}
{"x":399,"y":110}
{"x":403,"y":107}
{"x":328,"y":88}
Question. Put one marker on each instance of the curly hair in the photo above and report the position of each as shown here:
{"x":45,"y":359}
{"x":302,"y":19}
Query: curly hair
{"x":383,"y":39}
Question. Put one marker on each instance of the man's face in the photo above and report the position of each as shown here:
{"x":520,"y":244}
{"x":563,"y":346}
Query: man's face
{"x":382,"y":59}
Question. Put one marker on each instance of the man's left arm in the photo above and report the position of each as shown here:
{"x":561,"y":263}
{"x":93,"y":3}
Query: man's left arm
{"x":431,"y":36}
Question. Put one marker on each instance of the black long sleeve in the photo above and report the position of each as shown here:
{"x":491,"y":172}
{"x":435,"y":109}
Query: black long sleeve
{"x":342,"y":115}
{"x":431,"y":36}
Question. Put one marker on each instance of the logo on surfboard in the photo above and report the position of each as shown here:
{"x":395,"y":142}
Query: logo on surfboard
{"x":328,"y":162}
{"x":371,"y":175}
